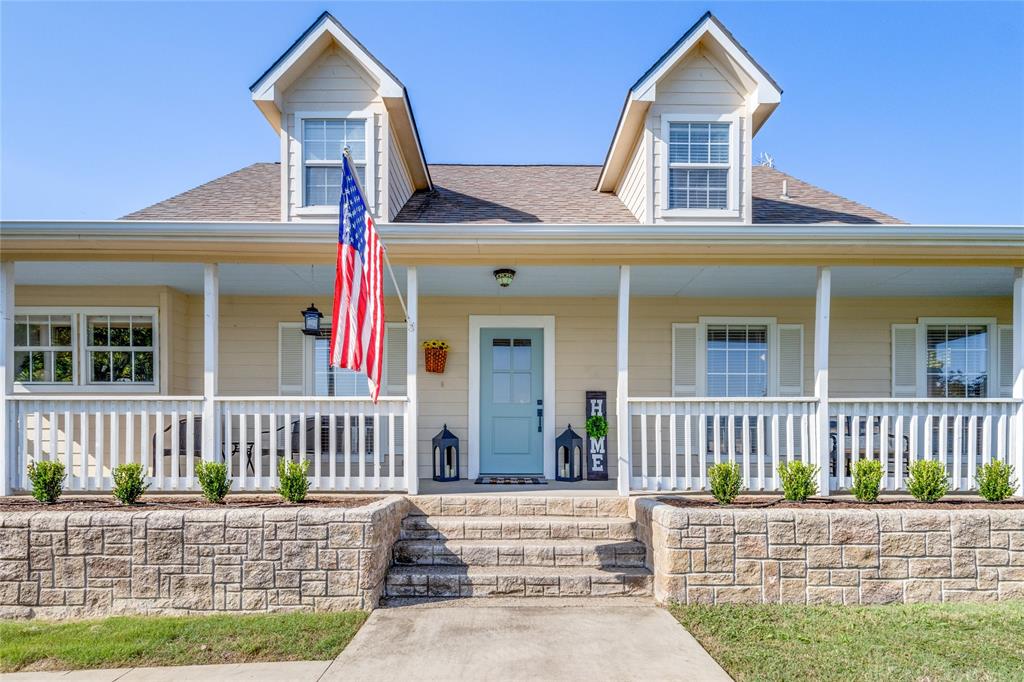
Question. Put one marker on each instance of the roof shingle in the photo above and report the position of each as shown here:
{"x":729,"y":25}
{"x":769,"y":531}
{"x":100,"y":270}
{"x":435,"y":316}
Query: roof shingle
{"x":503,"y":194}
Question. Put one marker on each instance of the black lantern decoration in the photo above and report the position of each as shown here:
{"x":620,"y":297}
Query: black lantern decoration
{"x":504,"y":277}
{"x":446,"y":456}
{"x":569,"y":456}
{"x":311,"y":321}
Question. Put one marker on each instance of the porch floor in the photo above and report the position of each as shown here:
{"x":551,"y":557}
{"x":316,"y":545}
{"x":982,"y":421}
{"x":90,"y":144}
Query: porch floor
{"x":429,"y":486}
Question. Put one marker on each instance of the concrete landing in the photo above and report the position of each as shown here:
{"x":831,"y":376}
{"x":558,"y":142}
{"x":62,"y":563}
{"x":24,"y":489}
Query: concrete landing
{"x":503,"y":642}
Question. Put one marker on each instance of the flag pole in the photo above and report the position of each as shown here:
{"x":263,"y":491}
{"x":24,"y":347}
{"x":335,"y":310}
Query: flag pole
{"x":384,"y":248}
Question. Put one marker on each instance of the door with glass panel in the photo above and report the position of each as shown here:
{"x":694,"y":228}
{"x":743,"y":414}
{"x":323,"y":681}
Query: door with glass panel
{"x":511,"y":401}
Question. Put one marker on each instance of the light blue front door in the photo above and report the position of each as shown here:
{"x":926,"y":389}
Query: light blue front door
{"x":511,"y":395}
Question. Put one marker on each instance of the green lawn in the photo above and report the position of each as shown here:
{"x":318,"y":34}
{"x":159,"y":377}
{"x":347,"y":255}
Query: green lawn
{"x":146,"y":641}
{"x":923,"y":642}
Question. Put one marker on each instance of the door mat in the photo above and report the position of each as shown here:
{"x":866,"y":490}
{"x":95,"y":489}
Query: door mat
{"x":500,"y":479}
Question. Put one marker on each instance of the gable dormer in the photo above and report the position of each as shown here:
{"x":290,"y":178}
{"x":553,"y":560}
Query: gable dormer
{"x":327,"y":92}
{"x":682,"y":147}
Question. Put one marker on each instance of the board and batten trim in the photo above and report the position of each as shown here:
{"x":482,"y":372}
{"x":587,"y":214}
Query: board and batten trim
{"x":477,"y":323}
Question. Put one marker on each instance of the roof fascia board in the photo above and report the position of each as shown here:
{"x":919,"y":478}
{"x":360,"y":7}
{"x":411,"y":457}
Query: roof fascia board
{"x":1011,"y":235}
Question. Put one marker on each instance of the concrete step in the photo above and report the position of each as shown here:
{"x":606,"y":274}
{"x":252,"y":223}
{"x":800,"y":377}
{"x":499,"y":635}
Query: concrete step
{"x":516,"y":581}
{"x":490,"y":504}
{"x":540,"y":552}
{"x":516,"y":527}
{"x":516,"y":602}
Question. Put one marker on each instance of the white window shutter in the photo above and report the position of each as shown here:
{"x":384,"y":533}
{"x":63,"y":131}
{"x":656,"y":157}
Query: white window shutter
{"x":684,"y":360}
{"x":291,"y":354}
{"x":904,"y":361}
{"x":791,"y":359}
{"x":1004,"y":334}
{"x":394,"y":359}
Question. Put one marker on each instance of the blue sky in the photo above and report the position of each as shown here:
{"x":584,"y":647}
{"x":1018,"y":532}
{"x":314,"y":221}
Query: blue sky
{"x":914,"y":108}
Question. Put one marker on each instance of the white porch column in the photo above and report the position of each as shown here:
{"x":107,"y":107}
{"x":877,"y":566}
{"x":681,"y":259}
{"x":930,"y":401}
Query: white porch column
{"x":1017,"y":458}
{"x":211,"y":325}
{"x":412,"y":476}
{"x":622,"y":385}
{"x":822,"y":305}
{"x":7,"y":425}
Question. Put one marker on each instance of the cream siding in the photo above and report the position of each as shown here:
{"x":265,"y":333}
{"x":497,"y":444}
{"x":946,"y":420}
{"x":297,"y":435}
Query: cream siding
{"x":334,"y":83}
{"x":584,"y":342}
{"x":632,"y":189}
{"x":697,"y":86}
{"x":399,"y":180}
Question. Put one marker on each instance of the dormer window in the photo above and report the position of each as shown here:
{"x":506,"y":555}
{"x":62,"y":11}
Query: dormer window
{"x":701,"y":166}
{"x":323,"y":142}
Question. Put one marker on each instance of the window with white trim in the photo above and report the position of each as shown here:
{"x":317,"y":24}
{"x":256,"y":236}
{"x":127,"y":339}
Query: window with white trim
{"x":699,"y":163}
{"x":334,"y":381}
{"x":120,"y":349}
{"x":957,"y":360}
{"x":737,"y":360}
{"x":44,"y":349}
{"x":323,"y":144}
{"x":85,"y":348}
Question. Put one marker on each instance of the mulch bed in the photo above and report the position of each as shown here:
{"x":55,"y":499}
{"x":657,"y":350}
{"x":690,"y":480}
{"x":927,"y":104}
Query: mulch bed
{"x":186,"y":502}
{"x":775,"y":502}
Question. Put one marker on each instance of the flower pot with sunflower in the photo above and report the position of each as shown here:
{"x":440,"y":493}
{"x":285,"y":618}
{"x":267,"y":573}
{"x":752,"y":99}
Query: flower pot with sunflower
{"x":435,"y":355}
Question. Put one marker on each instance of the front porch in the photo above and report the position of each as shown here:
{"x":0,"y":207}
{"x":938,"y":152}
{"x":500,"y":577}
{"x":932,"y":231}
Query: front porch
{"x":700,"y":364}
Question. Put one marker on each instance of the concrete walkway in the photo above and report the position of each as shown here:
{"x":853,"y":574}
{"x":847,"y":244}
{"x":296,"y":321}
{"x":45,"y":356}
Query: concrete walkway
{"x":499,"y":640}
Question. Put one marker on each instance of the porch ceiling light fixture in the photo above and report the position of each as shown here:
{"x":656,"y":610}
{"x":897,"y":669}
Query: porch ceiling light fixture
{"x":311,"y":321}
{"x":504,"y":276}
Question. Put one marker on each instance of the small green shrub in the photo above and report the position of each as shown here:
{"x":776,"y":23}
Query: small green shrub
{"x":995,"y":481}
{"x":597,"y":426}
{"x":867,"y":479}
{"x":213,"y":479}
{"x":128,"y":483}
{"x":726,"y":480}
{"x":798,"y":480}
{"x":47,"y":480}
{"x":928,"y":480}
{"x":294,"y":484}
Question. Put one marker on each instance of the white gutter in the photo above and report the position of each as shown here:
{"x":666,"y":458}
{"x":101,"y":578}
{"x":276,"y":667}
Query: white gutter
{"x":1008,"y":236}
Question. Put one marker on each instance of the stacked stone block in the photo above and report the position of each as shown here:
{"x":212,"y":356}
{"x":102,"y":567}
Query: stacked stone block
{"x":500,"y":546}
{"x":843,"y":556}
{"x":58,"y":564}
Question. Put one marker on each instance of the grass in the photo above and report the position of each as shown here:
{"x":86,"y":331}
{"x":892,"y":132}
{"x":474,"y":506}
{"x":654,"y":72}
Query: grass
{"x":921,"y":642}
{"x":193,"y":640}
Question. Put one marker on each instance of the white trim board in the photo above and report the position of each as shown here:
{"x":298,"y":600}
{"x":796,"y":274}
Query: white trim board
{"x":477,"y":323}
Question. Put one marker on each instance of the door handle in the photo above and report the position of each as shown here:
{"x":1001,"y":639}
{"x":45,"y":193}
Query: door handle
{"x":540,"y":420}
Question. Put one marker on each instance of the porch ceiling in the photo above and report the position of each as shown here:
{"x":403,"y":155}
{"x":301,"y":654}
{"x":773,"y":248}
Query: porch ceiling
{"x":538,"y":281}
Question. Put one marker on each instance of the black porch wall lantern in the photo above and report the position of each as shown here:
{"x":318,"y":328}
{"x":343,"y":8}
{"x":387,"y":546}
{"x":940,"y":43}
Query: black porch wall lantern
{"x":311,"y":321}
{"x":569,"y":456}
{"x":446,"y":455}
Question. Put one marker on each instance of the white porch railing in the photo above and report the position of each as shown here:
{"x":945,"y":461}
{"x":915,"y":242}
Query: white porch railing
{"x":675,"y":440}
{"x":963,"y":434}
{"x":351,"y":443}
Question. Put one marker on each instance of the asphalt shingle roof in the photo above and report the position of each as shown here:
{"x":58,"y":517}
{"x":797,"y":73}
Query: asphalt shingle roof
{"x":503,"y":194}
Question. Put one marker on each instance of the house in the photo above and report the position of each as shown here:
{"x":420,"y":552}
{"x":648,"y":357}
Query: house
{"x":725,"y":310}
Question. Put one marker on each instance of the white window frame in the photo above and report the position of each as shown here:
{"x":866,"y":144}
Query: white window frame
{"x":80,"y":351}
{"x":991,"y":369}
{"x":367,"y":115}
{"x":50,"y":348}
{"x":309,"y":366}
{"x":702,"y":351}
{"x":733,"y":167}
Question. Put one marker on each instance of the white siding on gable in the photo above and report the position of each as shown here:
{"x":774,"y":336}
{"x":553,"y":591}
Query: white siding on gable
{"x":632,"y":189}
{"x":399,"y":181}
{"x":696,"y":87}
{"x":333,"y":84}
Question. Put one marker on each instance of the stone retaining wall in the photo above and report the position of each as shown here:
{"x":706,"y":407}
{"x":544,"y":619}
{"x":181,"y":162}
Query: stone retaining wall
{"x":843,"y":556}
{"x":72,"y":564}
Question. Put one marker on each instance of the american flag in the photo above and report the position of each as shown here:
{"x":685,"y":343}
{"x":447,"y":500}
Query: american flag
{"x":357,"y":331}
